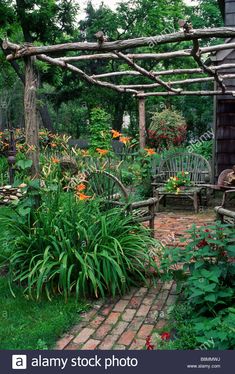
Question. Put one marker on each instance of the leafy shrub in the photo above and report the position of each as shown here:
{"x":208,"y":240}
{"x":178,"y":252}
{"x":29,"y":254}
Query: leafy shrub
{"x":217,"y":331}
{"x":188,"y":331}
{"x":100,"y":131}
{"x":209,"y":273}
{"x":127,"y":176}
{"x":168,"y":128}
{"x":72,"y":247}
{"x":206,"y":278}
{"x":204,"y":149}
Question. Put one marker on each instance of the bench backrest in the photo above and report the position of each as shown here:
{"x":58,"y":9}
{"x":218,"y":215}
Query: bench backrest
{"x":106,"y":186}
{"x":197,"y":166}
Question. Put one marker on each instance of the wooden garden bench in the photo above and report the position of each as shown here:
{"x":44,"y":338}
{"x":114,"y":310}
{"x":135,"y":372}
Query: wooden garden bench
{"x":111,"y":190}
{"x":199,"y":170}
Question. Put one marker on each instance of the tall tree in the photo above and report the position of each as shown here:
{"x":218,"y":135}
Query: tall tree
{"x":44,"y":21}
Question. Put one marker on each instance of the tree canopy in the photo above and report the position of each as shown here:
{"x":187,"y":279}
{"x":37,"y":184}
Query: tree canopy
{"x":66,"y":103}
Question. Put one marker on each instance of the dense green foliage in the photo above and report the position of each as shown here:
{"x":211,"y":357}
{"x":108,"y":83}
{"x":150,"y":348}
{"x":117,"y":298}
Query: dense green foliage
{"x":73,"y":247}
{"x":67,"y":102}
{"x":205,"y":149}
{"x":206,"y":279}
{"x":61,"y":239}
{"x":100,"y":135}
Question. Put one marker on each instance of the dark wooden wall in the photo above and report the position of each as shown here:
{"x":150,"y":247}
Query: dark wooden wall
{"x":225,"y":106}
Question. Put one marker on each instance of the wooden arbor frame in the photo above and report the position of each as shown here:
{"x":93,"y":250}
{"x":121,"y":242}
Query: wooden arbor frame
{"x":120,"y":50}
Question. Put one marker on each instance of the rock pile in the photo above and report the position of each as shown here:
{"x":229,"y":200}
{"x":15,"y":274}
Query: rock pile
{"x":8,"y":193}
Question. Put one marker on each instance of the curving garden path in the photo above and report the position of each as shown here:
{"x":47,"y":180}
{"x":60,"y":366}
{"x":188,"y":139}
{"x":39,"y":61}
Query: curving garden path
{"x":125,"y":322}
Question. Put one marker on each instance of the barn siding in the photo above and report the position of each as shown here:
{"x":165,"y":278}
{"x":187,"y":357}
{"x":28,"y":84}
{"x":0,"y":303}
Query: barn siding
{"x":225,"y":109}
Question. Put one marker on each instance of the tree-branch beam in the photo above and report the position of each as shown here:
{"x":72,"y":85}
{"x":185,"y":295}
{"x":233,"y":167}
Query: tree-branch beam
{"x":82,"y":74}
{"x":119,"y":45}
{"x":146,"y":73}
{"x":149,"y":56}
{"x":172,"y":83}
{"x":196,"y":53}
{"x":163,"y":72}
{"x":187,"y":93}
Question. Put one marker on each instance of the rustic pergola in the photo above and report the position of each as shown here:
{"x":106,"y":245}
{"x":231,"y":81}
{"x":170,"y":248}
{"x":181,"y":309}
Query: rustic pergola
{"x":161,"y":84}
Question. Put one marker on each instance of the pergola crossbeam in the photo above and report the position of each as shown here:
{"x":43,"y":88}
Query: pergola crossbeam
{"x":149,"y":56}
{"x":163,"y":72}
{"x":187,"y":93}
{"x":123,"y":50}
{"x":121,"y":45}
{"x":196,"y":53}
{"x":146,"y":73}
{"x":82,"y":74}
{"x":172,"y":83}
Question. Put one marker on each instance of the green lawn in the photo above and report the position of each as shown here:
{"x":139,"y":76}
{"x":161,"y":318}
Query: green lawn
{"x":27,"y":324}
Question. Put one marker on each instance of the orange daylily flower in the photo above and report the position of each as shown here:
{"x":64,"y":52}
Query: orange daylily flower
{"x":116,"y":134}
{"x":125,"y":139}
{"x":102,"y":152}
{"x":80,"y":187}
{"x":150,"y":151}
{"x":53,"y":145}
{"x":82,"y":196}
{"x":55,"y":160}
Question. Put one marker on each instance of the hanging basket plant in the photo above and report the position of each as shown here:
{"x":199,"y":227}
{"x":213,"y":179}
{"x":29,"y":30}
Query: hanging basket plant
{"x":168,"y":128}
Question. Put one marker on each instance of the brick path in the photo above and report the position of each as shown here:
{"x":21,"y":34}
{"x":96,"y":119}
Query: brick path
{"x":125,"y":322}
{"x":171,"y":227}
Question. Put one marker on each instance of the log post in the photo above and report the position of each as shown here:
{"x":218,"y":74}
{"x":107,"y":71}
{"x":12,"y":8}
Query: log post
{"x":142,"y":129}
{"x":31,"y":115}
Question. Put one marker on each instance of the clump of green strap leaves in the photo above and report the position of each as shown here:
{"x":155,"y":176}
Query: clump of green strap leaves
{"x":74,"y":248}
{"x":205,"y":274}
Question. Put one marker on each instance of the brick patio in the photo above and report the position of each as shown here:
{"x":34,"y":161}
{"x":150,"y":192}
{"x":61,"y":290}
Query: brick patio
{"x":170,"y":227}
{"x":125,"y":322}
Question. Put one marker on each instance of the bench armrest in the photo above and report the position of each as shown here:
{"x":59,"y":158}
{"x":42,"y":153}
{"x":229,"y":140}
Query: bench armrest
{"x":224,"y":212}
{"x":144,"y":203}
{"x":225,"y":196}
